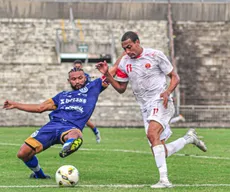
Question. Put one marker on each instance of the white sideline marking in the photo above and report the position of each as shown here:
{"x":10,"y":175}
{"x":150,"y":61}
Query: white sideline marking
{"x":114,"y":186}
{"x":132,"y":151}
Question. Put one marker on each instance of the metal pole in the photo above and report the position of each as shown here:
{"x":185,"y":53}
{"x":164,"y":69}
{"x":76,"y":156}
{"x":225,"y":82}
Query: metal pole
{"x":171,"y":48}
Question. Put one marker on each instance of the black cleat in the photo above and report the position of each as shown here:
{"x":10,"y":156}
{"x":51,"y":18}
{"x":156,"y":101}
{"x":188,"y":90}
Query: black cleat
{"x":71,"y":147}
{"x":33,"y":176}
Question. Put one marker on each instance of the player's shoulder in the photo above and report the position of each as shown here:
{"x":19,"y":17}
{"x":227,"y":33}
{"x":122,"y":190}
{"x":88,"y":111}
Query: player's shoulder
{"x":95,"y":81}
{"x":61,"y":94}
{"x":124,"y":60}
{"x":64,"y":92}
{"x":152,"y":52}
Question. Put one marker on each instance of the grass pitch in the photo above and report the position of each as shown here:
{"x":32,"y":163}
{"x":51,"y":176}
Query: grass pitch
{"x":121,"y":162}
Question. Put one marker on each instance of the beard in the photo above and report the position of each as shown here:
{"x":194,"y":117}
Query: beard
{"x":77,"y":87}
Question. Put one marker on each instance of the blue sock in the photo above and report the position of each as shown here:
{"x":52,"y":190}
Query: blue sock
{"x":95,"y":130}
{"x":35,"y":167}
{"x":69,"y":141}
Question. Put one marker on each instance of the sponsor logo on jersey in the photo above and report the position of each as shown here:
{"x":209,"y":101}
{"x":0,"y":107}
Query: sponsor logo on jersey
{"x":76,"y":108}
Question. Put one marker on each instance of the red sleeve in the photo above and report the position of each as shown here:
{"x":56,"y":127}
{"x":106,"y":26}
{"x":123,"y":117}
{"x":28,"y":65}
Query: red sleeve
{"x":121,"y":74}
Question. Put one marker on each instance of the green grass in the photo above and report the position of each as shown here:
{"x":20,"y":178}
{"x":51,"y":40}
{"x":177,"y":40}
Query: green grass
{"x":122,"y":158}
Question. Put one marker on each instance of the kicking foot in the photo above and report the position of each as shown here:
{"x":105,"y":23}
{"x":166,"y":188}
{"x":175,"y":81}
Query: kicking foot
{"x":69,"y":148}
{"x":191,"y":137}
{"x":98,"y":137}
{"x":162,"y":184}
{"x":33,"y":176}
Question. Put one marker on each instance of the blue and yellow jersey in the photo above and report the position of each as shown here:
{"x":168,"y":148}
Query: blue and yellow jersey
{"x":77,"y":106}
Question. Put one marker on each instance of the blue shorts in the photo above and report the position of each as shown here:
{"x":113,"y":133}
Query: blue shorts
{"x":50,"y":134}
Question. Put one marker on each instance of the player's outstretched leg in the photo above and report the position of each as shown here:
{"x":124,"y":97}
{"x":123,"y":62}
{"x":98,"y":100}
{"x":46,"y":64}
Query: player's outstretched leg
{"x":35,"y":167}
{"x":70,"y":146}
{"x":191,"y":137}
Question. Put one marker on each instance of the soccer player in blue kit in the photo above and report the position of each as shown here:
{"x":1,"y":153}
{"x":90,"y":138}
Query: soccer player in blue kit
{"x":78,"y":64}
{"x":70,"y":112}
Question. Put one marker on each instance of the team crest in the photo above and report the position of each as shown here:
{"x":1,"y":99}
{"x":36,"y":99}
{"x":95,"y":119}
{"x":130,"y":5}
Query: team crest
{"x":83,"y":90}
{"x":147,"y":65}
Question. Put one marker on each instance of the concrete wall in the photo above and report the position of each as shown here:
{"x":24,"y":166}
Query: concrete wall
{"x":30,"y":73}
{"x":203,"y":56}
{"x":115,"y":11}
{"x":35,"y":83}
{"x":33,"y":41}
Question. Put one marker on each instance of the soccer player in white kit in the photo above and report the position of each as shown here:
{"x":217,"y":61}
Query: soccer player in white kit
{"x":146,"y":69}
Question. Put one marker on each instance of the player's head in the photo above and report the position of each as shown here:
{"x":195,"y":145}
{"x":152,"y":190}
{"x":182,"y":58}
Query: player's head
{"x":77,"y":64}
{"x":131,"y":44}
{"x":77,"y":78}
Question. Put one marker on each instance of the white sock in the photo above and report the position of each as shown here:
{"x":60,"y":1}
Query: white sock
{"x":159,"y":154}
{"x":175,"y":146}
{"x":175,"y":119}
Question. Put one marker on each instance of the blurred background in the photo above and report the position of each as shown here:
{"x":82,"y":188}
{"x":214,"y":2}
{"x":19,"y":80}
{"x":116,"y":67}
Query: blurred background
{"x":40,"y":39}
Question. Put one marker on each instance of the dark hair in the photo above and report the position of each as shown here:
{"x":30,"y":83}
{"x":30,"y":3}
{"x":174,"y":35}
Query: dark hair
{"x":130,"y":35}
{"x":77,"y":61}
{"x":75,"y":69}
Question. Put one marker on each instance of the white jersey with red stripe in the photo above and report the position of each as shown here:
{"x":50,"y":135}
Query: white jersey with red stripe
{"x":146,"y":73}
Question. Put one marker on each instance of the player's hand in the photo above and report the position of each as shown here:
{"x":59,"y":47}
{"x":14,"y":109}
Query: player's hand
{"x":165,"y":97}
{"x":9,"y":104}
{"x":102,"y":67}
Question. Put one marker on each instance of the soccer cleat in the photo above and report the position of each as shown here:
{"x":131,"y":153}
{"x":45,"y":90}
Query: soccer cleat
{"x":69,"y":148}
{"x":191,"y":137}
{"x":162,"y":184}
{"x":33,"y":176}
{"x":98,"y":137}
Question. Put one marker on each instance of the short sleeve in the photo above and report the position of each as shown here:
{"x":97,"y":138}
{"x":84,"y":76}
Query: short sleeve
{"x":57,"y":98}
{"x":164,"y":63}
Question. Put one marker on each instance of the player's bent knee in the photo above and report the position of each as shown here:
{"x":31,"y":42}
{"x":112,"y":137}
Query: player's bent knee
{"x":26,"y":152}
{"x":23,"y":156}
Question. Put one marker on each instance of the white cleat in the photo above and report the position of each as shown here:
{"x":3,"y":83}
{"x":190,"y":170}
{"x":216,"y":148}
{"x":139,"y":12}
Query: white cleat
{"x":98,"y":137}
{"x":162,"y":184}
{"x":191,"y":137}
{"x":182,"y":118}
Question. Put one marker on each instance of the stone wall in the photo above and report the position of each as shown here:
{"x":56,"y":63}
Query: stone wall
{"x":35,"y":83}
{"x":30,"y":72}
{"x":183,"y":11}
{"x":203,"y":56}
{"x":33,"y":41}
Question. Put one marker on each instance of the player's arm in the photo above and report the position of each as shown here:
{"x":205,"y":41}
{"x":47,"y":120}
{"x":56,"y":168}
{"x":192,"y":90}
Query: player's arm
{"x":175,"y":79}
{"x":113,"y":69}
{"x":110,"y":73}
{"x":47,"y":105}
{"x":120,"y":87}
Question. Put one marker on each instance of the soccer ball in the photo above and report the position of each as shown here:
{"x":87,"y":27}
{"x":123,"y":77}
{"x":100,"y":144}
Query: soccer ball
{"x":67,"y":175}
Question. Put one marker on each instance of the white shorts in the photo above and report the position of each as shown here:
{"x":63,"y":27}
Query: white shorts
{"x":156,"y":111}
